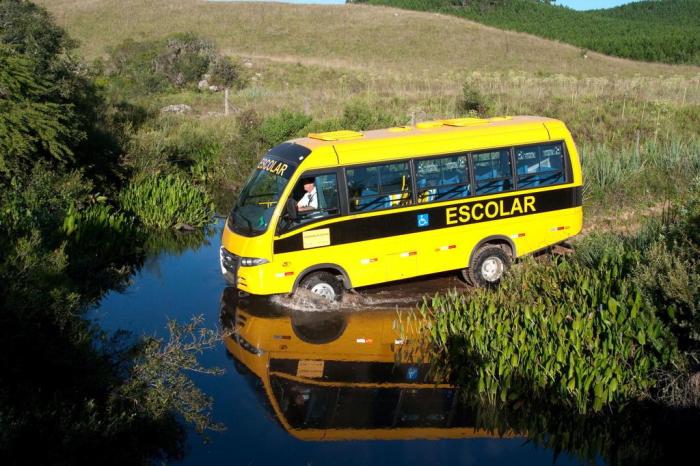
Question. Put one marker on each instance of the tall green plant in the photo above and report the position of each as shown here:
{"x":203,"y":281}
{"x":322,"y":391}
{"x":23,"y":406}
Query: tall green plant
{"x":582,"y":334}
{"x":169,"y":201}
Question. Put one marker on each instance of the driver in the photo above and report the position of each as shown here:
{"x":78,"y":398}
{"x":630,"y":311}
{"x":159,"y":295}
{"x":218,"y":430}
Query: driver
{"x":310,"y":200}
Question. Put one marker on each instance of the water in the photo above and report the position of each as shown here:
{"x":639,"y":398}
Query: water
{"x":342,"y":387}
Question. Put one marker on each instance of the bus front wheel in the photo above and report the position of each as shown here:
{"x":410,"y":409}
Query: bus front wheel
{"x":487,"y":266}
{"x":323,"y":284}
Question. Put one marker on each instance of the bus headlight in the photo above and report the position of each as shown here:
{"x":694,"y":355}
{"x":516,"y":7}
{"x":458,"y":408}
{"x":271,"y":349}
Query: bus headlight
{"x":252,"y":261}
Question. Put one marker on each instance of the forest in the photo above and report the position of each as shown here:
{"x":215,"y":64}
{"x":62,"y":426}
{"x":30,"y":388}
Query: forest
{"x":665,"y":31}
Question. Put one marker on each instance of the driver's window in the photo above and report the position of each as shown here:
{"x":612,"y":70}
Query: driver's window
{"x":316,"y":197}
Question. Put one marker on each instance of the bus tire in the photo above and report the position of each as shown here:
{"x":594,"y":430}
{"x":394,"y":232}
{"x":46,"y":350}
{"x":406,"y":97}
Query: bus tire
{"x":487,"y":266}
{"x":323,"y":284}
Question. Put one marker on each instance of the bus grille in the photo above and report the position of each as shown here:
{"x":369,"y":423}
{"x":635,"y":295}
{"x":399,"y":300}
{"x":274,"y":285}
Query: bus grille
{"x":230,"y":263}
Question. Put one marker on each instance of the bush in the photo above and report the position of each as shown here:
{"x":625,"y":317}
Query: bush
{"x":169,"y":201}
{"x":227,"y":72}
{"x":360,"y":115}
{"x":473,"y":102}
{"x":174,"y":144}
{"x":283,"y":126}
{"x":146,"y":67}
{"x":185,"y":58}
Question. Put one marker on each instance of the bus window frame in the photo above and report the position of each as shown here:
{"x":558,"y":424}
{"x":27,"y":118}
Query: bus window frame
{"x":511,"y":152}
{"x":470,"y":177}
{"x":342,"y":199}
{"x":566,"y":164}
{"x":411,"y":170}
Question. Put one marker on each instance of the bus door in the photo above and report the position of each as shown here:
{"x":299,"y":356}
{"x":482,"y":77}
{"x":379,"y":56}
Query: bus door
{"x":298,"y":242}
{"x":441,"y":179}
{"x":382,"y":188}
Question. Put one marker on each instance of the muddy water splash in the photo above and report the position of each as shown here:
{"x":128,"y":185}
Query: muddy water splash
{"x":403,"y":295}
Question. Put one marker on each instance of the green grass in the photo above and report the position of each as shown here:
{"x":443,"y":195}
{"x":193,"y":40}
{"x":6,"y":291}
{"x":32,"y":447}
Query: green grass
{"x":410,"y":66}
{"x":350,"y":37}
{"x":664,"y":31}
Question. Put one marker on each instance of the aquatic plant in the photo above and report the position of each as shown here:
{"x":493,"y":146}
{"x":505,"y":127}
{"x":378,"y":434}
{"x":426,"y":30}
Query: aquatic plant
{"x":581,"y":333}
{"x":168,"y":201}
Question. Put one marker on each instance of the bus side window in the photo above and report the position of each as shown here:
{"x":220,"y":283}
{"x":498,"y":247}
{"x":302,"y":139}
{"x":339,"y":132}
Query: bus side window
{"x":441,"y":179}
{"x":379,"y":187}
{"x":541,"y":165}
{"x":322,"y":201}
{"x":492,"y":171}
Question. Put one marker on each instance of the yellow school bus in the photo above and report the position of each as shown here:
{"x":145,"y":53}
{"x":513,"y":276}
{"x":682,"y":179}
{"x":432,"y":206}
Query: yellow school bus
{"x":343,"y":376}
{"x":344,"y":209}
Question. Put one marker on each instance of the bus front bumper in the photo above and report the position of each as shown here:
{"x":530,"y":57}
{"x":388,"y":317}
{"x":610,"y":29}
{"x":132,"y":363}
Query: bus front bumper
{"x":258,"y":280}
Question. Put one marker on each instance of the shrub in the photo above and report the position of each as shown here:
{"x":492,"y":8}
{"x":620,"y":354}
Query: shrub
{"x":168,"y":201}
{"x":131,"y":66}
{"x":146,"y":67}
{"x":473,"y":102}
{"x":360,"y":115}
{"x":227,"y":72}
{"x":179,"y":144}
{"x":285,"y":125}
{"x":185,"y":58}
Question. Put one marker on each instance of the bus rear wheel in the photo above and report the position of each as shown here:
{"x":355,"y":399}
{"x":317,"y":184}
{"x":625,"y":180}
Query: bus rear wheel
{"x":487,"y":266}
{"x":323,"y":284}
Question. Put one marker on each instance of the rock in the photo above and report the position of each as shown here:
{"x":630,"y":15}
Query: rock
{"x":215,"y":88}
{"x":177,"y":108}
{"x":203,"y":85}
{"x":183,"y":227}
{"x":248,"y":64}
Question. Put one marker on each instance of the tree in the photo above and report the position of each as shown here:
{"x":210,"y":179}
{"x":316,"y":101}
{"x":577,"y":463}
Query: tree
{"x":227,"y":73}
{"x":88,"y":128}
{"x":30,"y":124}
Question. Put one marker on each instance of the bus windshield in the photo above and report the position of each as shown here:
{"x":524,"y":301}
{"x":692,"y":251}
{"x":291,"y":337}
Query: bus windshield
{"x":252,"y":212}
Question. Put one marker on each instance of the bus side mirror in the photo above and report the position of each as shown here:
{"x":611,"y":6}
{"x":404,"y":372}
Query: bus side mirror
{"x":291,"y":207}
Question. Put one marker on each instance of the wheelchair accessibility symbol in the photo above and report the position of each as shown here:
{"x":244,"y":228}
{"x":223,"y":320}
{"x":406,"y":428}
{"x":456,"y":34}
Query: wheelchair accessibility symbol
{"x":423,"y":220}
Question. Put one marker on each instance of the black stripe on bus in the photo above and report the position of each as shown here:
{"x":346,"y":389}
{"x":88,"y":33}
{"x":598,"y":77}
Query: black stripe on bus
{"x":352,"y":230}
{"x":360,"y":371}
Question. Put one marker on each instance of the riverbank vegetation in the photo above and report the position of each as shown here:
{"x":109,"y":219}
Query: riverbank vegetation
{"x":616,"y":321}
{"x":84,"y":395}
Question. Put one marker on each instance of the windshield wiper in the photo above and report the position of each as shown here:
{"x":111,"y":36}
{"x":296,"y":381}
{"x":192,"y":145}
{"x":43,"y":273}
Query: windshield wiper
{"x":237,"y":215}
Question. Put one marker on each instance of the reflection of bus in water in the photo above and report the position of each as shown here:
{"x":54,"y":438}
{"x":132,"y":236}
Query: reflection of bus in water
{"x":342,"y":376}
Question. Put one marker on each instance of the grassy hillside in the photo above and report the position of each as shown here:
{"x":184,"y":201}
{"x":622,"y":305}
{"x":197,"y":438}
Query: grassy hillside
{"x":352,"y":64}
{"x":664,"y":31}
{"x":355,"y":37}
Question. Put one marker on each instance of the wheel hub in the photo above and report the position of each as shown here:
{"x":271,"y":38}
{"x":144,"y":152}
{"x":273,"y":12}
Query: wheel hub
{"x":324,"y":290}
{"x":492,"y":269}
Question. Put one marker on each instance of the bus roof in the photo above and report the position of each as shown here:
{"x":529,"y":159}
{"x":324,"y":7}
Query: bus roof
{"x":446,"y":128}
